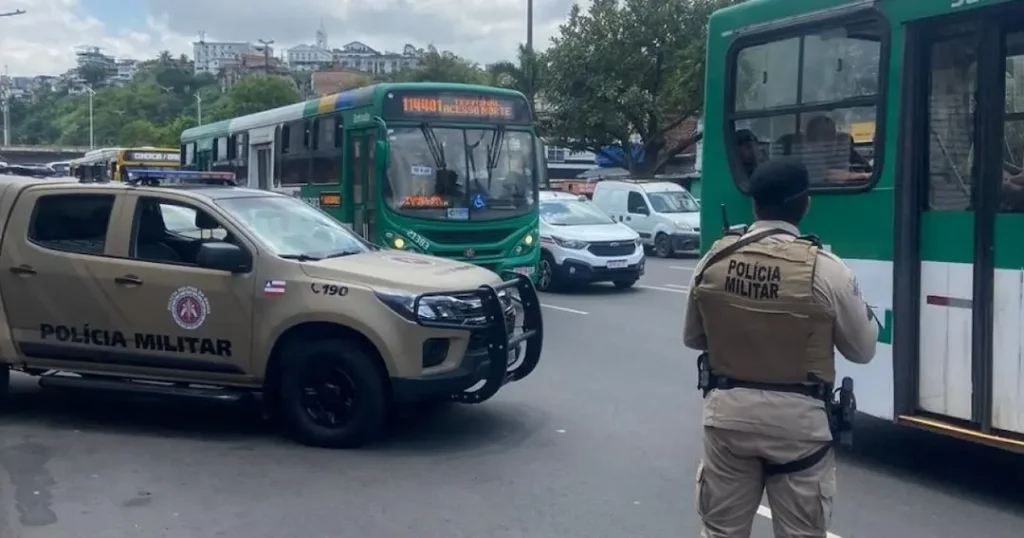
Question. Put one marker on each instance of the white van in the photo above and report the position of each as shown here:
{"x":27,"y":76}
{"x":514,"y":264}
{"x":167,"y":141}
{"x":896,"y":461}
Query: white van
{"x":665,"y":215}
{"x":582,"y":245}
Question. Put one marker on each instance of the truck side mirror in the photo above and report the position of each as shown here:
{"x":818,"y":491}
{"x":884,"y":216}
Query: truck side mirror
{"x":224,"y":257}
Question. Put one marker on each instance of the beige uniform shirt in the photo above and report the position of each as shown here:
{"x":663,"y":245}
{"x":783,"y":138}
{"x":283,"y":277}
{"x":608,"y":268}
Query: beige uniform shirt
{"x":780,"y":414}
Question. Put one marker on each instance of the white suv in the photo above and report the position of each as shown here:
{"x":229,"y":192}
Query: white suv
{"x":580,"y":244}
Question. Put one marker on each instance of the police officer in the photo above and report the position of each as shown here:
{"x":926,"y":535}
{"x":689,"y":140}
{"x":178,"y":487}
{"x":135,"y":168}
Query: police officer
{"x":767,"y":307}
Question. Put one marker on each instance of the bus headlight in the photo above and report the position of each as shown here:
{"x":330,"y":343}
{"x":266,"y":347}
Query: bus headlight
{"x":528,"y":240}
{"x":398,"y":243}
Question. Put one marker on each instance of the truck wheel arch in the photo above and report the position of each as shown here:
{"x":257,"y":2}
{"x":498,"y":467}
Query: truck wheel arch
{"x":313,"y":330}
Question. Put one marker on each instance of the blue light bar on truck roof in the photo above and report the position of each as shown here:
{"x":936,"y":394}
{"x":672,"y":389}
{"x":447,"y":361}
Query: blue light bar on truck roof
{"x":164,"y":177}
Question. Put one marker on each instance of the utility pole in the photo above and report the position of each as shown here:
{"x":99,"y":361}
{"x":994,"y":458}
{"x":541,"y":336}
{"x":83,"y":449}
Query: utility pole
{"x":531,"y":68}
{"x":266,"y":54}
{"x":529,"y":26}
{"x":5,"y":89}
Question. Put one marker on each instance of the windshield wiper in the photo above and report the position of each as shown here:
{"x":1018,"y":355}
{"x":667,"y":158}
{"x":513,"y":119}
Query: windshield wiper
{"x":342,"y":254}
{"x":300,"y":257}
{"x":436,"y":149}
{"x":493,"y":152}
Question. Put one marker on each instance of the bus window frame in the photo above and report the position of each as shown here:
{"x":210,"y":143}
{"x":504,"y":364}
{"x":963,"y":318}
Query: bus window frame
{"x":799,"y":30}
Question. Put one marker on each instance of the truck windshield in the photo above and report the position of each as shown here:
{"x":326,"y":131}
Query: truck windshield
{"x":293,"y":229}
{"x":673,"y":202}
{"x":461,"y":174}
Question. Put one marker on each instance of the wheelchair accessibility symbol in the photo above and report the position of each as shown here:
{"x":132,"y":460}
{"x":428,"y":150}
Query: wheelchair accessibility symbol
{"x":478,"y":201}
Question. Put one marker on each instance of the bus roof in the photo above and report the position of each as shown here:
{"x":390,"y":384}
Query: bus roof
{"x":326,"y":105}
{"x":766,"y":14}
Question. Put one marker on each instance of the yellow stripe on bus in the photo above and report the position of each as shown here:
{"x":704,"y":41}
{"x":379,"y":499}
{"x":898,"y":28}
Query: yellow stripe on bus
{"x":942,"y":426}
{"x":326,"y":104}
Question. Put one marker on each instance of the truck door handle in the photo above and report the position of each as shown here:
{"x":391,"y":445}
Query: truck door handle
{"x":128,"y":280}
{"x":23,"y":270}
{"x":629,"y":218}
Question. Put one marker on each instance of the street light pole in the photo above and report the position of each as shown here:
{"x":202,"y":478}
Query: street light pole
{"x":92,"y":140}
{"x":266,"y":54}
{"x":531,"y":68}
{"x":199,"y":108}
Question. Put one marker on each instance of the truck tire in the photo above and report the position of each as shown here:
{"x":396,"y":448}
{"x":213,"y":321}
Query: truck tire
{"x":5,"y":383}
{"x":332,"y":395}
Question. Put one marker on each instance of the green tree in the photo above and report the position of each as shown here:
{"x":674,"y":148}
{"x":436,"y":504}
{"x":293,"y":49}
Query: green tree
{"x":256,"y":93}
{"x":625,"y":70}
{"x":524,"y":74}
{"x":140,"y":132}
{"x":441,"y":66}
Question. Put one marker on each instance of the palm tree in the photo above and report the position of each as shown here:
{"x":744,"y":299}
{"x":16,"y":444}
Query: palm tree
{"x":523,"y":75}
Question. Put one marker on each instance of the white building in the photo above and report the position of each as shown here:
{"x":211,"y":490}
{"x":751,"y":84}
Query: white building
{"x":361,"y":57}
{"x":126,"y":69}
{"x":312,"y":57}
{"x":209,"y":55}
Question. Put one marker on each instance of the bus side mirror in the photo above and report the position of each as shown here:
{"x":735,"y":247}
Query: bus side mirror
{"x":381,"y":154}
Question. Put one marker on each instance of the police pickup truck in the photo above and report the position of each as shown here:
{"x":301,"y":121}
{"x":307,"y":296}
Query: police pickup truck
{"x":184,"y":285}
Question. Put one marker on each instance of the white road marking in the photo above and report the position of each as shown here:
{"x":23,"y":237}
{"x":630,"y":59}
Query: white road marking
{"x":677,"y":289}
{"x":764,"y":511}
{"x":681,"y":268}
{"x":564,"y":309}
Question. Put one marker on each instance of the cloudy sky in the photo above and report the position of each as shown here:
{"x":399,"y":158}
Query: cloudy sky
{"x":43,"y":40}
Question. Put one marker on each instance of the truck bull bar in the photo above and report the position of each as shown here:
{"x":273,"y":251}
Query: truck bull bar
{"x":503,"y":342}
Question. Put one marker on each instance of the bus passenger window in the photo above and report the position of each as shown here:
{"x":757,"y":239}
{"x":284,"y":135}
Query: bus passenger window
{"x":821,"y":110}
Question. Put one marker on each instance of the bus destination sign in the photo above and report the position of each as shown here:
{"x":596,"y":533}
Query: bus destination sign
{"x":152,"y":156}
{"x":452,"y":106}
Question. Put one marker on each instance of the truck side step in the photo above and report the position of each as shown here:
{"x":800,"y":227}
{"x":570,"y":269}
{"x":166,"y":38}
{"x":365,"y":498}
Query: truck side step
{"x":146,"y":388}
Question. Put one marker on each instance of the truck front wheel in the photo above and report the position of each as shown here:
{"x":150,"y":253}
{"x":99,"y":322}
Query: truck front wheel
{"x":331,"y":394}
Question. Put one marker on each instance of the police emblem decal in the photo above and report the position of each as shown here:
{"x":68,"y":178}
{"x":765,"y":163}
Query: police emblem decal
{"x":469,"y":253}
{"x":189,"y":307}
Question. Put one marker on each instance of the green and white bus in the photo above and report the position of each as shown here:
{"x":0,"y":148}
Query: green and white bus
{"x":910,"y":117}
{"x":447,"y":169}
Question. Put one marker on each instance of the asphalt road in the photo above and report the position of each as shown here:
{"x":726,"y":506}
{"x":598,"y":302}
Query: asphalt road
{"x":602,"y":441}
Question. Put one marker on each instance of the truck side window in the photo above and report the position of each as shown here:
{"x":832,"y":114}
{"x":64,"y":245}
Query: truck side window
{"x":72,"y":222}
{"x":636,"y":204}
{"x":166,"y":232}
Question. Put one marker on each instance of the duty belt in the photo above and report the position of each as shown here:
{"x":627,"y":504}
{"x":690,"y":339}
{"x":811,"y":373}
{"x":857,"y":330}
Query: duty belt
{"x":840,"y":413}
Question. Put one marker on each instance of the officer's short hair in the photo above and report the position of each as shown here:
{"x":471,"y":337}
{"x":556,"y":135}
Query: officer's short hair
{"x":779,"y":188}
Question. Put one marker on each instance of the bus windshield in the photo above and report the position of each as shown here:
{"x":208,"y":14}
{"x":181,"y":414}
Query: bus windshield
{"x":461,"y":174}
{"x":293,"y":229}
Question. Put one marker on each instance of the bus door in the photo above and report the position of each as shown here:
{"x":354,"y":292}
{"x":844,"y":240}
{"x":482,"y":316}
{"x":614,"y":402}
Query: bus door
{"x":261,"y":158}
{"x":962,"y":275}
{"x":359,"y":165}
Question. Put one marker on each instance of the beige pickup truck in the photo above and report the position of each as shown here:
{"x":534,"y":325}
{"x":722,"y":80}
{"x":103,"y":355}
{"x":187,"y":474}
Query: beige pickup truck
{"x":192,"y":287}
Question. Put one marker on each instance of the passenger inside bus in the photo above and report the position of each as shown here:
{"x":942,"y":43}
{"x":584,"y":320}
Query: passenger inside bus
{"x":827,"y":153}
{"x":750,"y":150}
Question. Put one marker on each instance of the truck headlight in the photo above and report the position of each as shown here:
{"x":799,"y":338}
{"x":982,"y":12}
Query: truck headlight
{"x":464,"y":309}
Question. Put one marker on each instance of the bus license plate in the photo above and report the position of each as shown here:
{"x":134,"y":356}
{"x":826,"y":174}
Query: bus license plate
{"x":617,"y":264}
